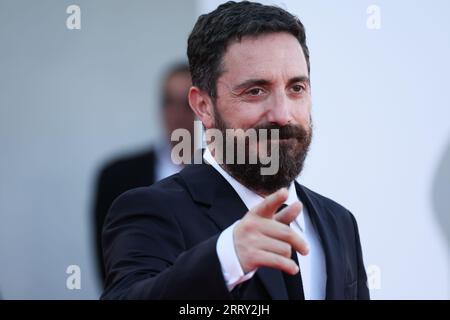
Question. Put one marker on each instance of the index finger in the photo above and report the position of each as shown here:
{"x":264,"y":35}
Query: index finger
{"x":270,"y":205}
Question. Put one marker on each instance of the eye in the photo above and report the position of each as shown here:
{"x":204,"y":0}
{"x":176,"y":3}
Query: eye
{"x":255,"y":92}
{"x":298,"y":88}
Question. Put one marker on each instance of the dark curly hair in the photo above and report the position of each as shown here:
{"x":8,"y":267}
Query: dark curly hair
{"x":231,"y":21}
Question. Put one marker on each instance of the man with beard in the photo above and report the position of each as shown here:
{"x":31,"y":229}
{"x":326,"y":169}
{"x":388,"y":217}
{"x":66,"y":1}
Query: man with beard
{"x":224,"y":230}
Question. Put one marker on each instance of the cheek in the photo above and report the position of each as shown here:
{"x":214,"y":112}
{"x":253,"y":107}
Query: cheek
{"x":241,"y":115}
{"x":302,"y":114}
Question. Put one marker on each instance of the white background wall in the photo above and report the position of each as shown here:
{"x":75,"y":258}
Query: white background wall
{"x":381,"y":109}
{"x":69,"y":100}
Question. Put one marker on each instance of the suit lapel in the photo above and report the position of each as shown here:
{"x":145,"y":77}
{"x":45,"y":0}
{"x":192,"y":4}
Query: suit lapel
{"x":208,"y":187}
{"x":329,"y":235}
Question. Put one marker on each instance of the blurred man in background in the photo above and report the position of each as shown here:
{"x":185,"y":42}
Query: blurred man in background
{"x":149,"y":166}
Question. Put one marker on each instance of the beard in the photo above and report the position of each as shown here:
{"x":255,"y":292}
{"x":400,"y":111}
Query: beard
{"x":294,"y":142}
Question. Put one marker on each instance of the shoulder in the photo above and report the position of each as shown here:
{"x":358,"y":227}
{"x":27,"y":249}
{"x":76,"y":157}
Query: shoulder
{"x":160,"y":193}
{"x":160,"y":199}
{"x":124,"y":163}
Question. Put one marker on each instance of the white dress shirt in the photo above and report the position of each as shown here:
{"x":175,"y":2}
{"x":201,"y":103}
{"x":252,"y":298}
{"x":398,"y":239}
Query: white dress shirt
{"x":164,"y":165}
{"x":312,"y":266}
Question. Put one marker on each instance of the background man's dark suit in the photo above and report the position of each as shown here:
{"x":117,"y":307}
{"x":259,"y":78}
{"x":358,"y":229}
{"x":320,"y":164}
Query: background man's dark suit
{"x":160,"y":242}
{"x":145,"y":168}
{"x":115,"y":178}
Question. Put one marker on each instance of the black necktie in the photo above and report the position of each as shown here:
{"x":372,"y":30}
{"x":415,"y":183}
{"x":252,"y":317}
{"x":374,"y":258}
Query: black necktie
{"x":293,"y":283}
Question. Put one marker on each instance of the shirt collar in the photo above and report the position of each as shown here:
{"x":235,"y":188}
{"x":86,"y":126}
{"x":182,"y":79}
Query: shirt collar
{"x":249,"y":197}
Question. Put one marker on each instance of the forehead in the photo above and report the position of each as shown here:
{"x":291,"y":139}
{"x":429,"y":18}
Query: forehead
{"x":265,"y":56}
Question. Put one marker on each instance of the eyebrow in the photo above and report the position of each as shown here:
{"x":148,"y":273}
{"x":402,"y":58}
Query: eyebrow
{"x":265,"y":82}
{"x":299,"y":79}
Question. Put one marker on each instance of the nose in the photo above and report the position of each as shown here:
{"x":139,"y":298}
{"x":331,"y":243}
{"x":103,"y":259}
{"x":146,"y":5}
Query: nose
{"x":279,"y":110}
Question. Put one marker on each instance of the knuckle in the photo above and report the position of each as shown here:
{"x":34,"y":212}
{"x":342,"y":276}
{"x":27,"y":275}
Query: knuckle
{"x":245,"y":226}
{"x":286,"y":250}
{"x":288,"y":234}
{"x":250,"y":225}
{"x":252,"y":240}
{"x":278,"y":261}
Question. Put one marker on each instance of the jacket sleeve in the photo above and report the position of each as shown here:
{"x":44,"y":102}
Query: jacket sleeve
{"x":363,"y":290}
{"x":146,"y":257}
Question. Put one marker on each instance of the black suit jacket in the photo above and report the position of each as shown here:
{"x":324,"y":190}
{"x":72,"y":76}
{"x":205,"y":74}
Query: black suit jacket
{"x":115,"y":178}
{"x":160,"y":242}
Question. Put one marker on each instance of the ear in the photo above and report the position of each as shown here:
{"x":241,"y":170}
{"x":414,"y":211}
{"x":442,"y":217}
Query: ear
{"x":202,"y":106}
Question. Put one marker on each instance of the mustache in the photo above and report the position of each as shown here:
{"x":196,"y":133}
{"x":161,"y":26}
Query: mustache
{"x":289,"y":131}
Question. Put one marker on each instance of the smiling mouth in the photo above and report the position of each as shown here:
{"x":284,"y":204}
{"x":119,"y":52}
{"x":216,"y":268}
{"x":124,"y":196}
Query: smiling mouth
{"x":282,"y":139}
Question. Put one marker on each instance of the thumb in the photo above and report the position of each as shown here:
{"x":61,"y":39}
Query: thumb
{"x":289,"y":214}
{"x":270,"y":205}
